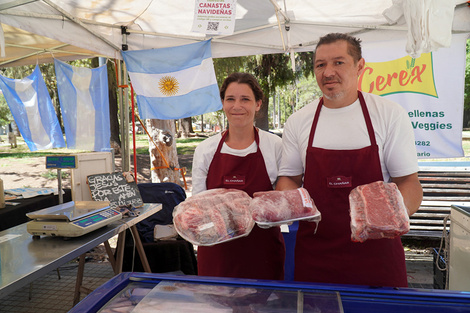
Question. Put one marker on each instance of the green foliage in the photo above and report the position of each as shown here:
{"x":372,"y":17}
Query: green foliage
{"x":226,"y":66}
{"x":276,"y":77}
{"x":466,"y":101}
{"x":48,"y":73}
{"x":5,"y":114}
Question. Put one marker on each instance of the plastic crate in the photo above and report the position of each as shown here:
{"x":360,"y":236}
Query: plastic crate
{"x":439,"y":277}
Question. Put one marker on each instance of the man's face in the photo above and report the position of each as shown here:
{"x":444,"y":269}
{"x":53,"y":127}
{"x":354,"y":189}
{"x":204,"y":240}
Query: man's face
{"x":337,"y":73}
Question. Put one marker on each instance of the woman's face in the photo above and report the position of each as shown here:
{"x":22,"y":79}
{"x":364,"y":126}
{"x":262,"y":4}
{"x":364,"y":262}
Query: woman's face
{"x":240,"y":105}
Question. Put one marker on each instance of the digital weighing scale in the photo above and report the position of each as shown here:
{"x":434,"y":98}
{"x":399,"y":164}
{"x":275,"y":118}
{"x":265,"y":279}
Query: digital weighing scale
{"x":71,"y":219}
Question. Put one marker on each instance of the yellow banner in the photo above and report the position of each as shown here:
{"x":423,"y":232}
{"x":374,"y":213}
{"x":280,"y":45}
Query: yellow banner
{"x":398,"y":76}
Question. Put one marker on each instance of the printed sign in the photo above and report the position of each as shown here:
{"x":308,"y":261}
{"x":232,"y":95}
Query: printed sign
{"x":402,"y":75}
{"x":430,"y":88}
{"x":215,"y":17}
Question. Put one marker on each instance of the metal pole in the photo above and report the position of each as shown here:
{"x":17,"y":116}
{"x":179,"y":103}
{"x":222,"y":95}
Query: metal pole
{"x":124,"y":100}
{"x":59,"y":180}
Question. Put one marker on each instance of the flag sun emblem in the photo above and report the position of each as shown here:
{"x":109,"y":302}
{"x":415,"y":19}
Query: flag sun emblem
{"x":168,"y":85}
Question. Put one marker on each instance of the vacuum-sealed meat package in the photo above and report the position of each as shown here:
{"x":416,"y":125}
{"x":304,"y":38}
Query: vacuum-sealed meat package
{"x":377,"y":211}
{"x":214,"y":216}
{"x":276,"y":207}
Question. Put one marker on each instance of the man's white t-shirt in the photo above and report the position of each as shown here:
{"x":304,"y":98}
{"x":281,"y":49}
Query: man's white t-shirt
{"x":345,"y":129}
{"x":269,"y":144}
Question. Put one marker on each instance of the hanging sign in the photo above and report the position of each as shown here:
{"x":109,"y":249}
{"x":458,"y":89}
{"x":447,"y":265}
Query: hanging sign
{"x":430,"y":88}
{"x":214,"y":17}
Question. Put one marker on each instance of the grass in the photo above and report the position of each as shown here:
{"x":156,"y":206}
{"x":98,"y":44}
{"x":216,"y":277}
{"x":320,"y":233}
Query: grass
{"x":22,"y":155}
{"x":52,"y":175}
{"x":184,"y":146}
{"x":187,"y":146}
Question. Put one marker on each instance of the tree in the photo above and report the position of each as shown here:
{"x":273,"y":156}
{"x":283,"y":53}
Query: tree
{"x":20,"y":72}
{"x":163,"y":153}
{"x":5,"y":114}
{"x":466,"y":115}
{"x":185,"y":127}
{"x":271,"y":70}
{"x":113,"y":106}
{"x":275,"y":70}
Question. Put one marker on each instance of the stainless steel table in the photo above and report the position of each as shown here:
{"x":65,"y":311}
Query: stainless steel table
{"x":24,"y":259}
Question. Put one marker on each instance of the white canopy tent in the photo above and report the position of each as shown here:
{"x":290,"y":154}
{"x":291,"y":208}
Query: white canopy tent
{"x":37,"y":30}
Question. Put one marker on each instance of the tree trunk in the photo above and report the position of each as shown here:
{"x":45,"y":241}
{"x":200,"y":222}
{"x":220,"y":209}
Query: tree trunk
{"x":186,"y":127}
{"x":261,"y":118}
{"x":115,"y":140}
{"x":58,"y":112}
{"x":163,"y":135}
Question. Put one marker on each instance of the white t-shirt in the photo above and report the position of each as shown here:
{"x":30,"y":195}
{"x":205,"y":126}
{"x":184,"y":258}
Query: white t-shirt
{"x":345,"y":129}
{"x":270,"y":145}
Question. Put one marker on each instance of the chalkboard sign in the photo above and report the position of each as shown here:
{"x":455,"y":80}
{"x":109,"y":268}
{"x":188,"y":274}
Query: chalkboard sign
{"x":114,"y":187}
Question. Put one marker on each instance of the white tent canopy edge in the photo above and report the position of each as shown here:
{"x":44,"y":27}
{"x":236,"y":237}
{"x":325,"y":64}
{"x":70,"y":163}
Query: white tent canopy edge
{"x":261,"y":27}
{"x":73,"y":29}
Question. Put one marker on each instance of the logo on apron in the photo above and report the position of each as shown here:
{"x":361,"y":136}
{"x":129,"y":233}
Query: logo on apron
{"x":339,"y":182}
{"x":234,"y":180}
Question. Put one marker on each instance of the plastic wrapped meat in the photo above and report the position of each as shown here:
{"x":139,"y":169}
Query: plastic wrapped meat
{"x":214,"y":216}
{"x":271,"y":208}
{"x":377,"y":211}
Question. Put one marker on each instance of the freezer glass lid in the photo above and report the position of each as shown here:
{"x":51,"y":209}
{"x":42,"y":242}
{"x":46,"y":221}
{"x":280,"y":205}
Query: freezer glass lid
{"x":175,"y":296}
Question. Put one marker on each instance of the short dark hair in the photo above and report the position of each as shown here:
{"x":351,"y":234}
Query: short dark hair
{"x":242,"y":78}
{"x":354,"y":44}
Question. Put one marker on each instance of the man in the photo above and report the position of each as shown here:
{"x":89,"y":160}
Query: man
{"x":353,"y":138}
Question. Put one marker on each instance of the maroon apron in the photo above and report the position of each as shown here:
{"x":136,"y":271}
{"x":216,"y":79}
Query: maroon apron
{"x":260,"y":255}
{"x":329,"y":255}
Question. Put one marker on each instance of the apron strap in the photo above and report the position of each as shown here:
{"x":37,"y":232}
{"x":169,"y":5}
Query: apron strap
{"x":221,"y":143}
{"x":365,"y":112}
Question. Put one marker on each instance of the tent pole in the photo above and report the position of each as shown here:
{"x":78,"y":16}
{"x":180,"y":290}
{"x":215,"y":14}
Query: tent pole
{"x":13,"y":4}
{"x":126,"y":158}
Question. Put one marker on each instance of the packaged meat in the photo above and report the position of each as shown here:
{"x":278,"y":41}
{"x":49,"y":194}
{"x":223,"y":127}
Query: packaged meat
{"x":214,"y":216}
{"x":275,"y":207}
{"x":377,"y":211}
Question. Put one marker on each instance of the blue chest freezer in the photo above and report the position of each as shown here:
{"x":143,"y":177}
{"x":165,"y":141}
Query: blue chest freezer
{"x":151,"y":292}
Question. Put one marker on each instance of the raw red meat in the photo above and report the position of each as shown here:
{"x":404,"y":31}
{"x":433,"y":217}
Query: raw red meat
{"x":214,"y":216}
{"x":278,"y":206}
{"x":377,"y":211}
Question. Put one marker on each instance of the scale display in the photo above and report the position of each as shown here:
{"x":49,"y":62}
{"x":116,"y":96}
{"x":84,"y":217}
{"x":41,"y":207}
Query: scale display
{"x":71,"y":219}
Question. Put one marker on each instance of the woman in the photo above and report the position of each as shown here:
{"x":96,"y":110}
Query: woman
{"x":253,"y":157}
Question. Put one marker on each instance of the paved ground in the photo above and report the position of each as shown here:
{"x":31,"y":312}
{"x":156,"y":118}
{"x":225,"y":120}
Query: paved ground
{"x":53,"y":293}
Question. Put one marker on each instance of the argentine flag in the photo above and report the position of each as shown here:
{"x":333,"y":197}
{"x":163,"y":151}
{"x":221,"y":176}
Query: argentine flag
{"x":84,"y":100}
{"x":174,"y":83}
{"x":32,"y":109}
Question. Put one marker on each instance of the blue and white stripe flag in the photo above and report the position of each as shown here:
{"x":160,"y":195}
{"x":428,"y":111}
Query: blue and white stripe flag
{"x":84,"y":100}
{"x":31,"y":107}
{"x":174,"y":83}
